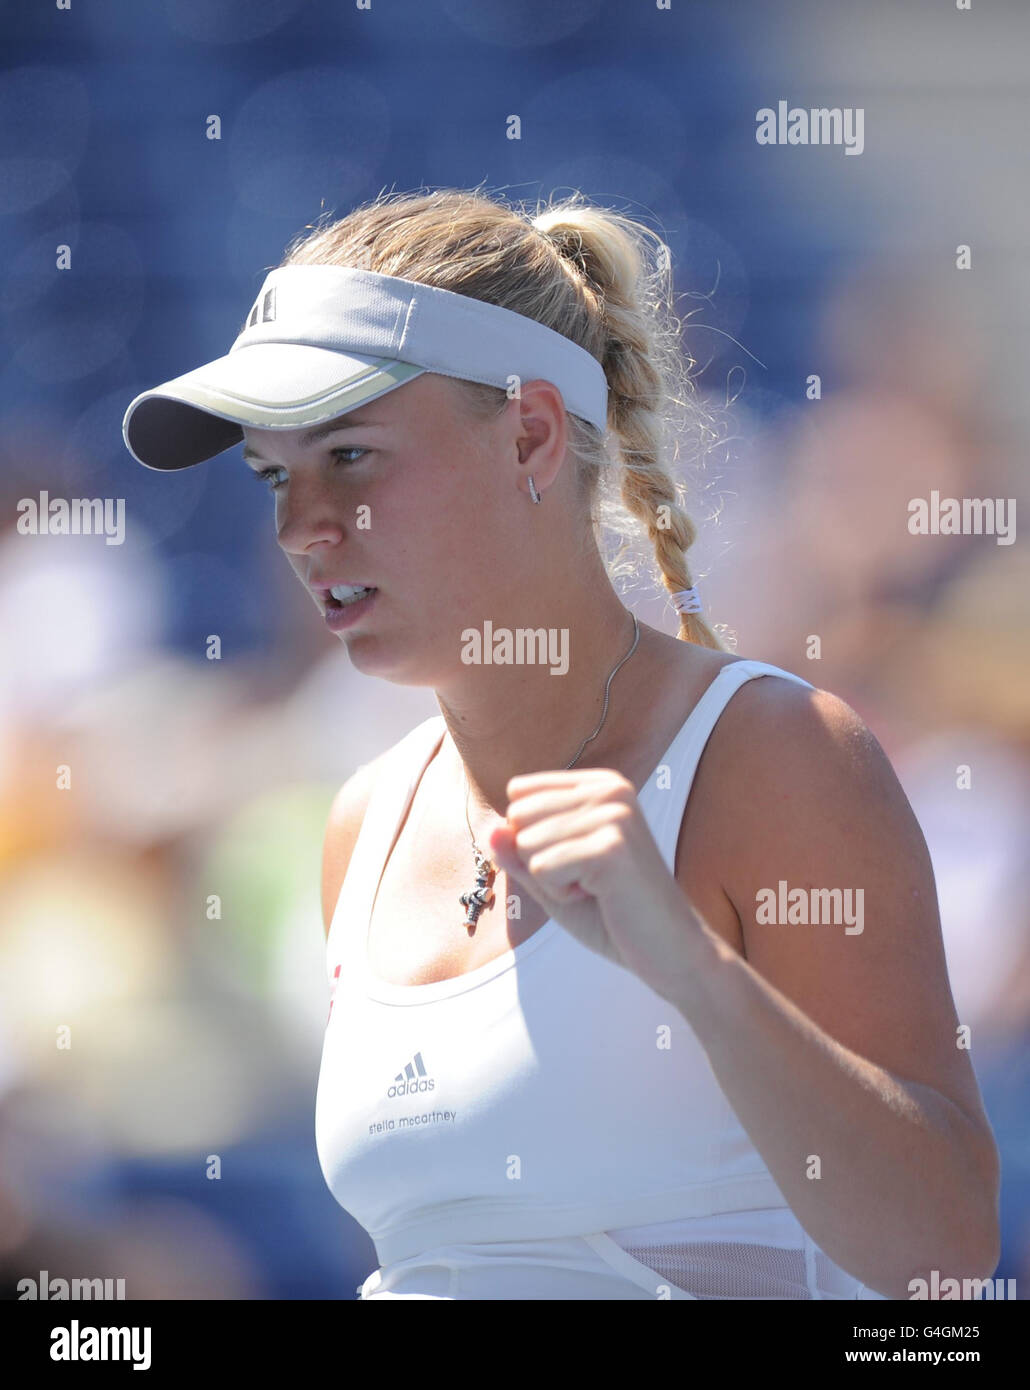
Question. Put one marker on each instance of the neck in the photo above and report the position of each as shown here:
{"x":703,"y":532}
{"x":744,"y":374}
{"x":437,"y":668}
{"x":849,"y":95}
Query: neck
{"x":507,"y":719}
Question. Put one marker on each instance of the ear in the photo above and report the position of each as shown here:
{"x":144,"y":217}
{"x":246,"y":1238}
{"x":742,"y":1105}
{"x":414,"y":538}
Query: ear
{"x":542,"y":434}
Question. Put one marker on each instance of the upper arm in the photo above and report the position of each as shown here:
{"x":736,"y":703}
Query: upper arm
{"x":344,"y":823}
{"x":806,"y":796}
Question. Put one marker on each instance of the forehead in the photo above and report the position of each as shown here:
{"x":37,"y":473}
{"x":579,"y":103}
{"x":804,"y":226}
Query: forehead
{"x":306,"y":437}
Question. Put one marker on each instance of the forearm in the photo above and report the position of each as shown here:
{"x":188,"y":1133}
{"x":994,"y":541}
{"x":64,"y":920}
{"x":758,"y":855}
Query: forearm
{"x":907,"y":1184}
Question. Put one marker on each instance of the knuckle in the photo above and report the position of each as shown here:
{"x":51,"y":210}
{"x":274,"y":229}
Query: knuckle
{"x":619,"y":786}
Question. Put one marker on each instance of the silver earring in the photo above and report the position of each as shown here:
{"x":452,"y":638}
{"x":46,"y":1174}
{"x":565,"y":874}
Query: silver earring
{"x":532,"y":489}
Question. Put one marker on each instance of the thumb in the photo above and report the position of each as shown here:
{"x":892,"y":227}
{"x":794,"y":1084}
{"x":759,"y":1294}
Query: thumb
{"x":501,"y":842}
{"x":506,"y":856}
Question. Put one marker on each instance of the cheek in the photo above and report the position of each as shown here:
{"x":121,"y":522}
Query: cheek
{"x":448,"y":518}
{"x":444,"y":508}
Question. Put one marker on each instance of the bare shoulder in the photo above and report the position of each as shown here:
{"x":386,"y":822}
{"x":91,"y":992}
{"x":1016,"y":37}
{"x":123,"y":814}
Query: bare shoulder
{"x":819,"y":850}
{"x":789,"y":743}
{"x":793,"y":780}
{"x":344,"y":823}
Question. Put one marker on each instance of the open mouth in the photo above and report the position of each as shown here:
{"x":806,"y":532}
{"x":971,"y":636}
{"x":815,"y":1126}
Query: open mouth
{"x":348,"y":598}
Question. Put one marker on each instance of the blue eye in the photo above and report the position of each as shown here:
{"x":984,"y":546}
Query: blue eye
{"x":265,"y":475}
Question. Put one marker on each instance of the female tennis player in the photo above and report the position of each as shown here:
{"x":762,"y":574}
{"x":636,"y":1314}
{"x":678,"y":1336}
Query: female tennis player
{"x":637,"y":980}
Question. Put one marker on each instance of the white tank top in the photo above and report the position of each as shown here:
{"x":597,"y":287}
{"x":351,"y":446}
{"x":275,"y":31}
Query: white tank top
{"x":545,"y":1126}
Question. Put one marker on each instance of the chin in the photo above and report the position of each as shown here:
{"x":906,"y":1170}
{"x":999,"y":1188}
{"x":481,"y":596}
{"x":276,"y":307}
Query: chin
{"x":372,"y":656}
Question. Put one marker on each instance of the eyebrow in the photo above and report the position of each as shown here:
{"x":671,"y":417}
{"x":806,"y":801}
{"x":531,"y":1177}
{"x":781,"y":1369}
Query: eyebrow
{"x":313,"y":436}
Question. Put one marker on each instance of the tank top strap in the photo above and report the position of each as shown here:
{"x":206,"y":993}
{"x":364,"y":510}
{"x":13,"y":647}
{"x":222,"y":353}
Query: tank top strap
{"x":670,"y":785}
{"x":391,"y":794}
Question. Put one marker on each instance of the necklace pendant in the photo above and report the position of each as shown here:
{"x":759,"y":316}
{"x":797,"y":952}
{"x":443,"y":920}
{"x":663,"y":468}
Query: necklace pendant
{"x":482,"y":895}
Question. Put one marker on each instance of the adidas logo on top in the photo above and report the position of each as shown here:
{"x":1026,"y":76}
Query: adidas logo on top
{"x":413,"y":1078}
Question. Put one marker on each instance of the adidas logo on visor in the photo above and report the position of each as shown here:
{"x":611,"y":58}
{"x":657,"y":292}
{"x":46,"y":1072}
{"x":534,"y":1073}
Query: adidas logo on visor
{"x":263,"y":310}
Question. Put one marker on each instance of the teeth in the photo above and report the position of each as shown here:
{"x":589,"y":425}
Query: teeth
{"x":343,"y":593}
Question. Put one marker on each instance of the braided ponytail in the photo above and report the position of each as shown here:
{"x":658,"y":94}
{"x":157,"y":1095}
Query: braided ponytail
{"x":645,"y":376}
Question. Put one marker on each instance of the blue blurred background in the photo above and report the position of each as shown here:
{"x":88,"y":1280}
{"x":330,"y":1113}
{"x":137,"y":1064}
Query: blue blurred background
{"x":194,"y":1037}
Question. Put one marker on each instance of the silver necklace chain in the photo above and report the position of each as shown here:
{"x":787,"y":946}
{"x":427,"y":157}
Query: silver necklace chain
{"x":481,"y":858}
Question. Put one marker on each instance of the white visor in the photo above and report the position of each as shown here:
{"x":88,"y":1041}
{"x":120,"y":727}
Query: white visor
{"x":322,"y":340}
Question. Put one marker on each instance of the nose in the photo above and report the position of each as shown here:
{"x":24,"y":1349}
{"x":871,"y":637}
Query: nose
{"x":307,"y":513}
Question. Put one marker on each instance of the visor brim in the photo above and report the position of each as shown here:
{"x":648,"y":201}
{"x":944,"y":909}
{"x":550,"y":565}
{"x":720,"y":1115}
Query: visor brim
{"x":265,"y":385}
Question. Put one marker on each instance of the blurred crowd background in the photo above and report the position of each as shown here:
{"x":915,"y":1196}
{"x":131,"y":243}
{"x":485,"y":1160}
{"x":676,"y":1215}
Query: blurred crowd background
{"x":194,"y":1036}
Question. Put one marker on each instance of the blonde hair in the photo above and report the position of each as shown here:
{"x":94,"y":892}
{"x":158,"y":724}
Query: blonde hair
{"x":594,"y":275}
